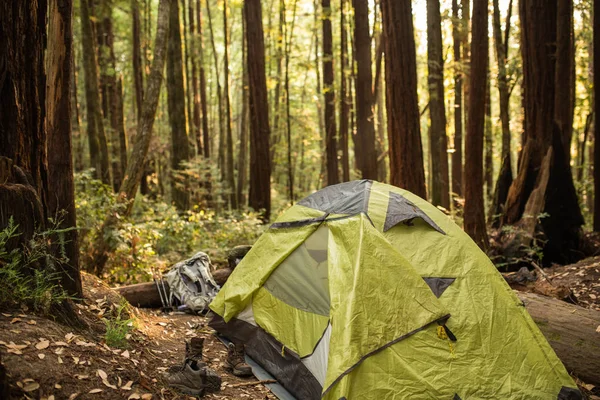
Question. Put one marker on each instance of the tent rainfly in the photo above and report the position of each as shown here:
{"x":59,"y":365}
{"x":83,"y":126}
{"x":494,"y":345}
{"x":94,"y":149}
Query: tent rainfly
{"x":365,"y":291}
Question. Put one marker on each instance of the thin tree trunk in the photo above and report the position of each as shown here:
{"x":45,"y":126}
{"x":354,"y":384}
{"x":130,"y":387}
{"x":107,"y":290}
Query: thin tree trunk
{"x":243,"y":150}
{"x":457,"y":159}
{"x":364,"y":90}
{"x":196,"y":133}
{"x":221,"y":154}
{"x":138,"y":76}
{"x":95,"y":124}
{"x":488,"y":139}
{"x":596,"y":75}
{"x":466,"y":56}
{"x":505,"y":176}
{"x":323,"y":166}
{"x":260,"y":166}
{"x":135,"y":167}
{"x":440,"y":187}
{"x":474,"y":215}
{"x":203,"y":98}
{"x":275,"y":131}
{"x":329,"y":95}
{"x":176,"y":104}
{"x":404,"y":134}
{"x":78,"y":140}
{"x":344,"y":108}
{"x":230,"y":177}
{"x":58,"y":128}
{"x":186,"y":66}
{"x":288,"y":44}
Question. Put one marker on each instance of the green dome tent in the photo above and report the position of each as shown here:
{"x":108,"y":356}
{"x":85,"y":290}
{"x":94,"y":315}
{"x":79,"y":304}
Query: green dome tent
{"x":366,"y":291}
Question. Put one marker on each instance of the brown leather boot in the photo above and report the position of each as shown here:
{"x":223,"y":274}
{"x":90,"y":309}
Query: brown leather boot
{"x":235,"y":360}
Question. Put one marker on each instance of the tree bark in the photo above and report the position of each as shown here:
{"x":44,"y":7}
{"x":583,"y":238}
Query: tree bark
{"x":404,"y":134}
{"x":564,"y":82}
{"x":488,"y":138}
{"x":440,"y":188}
{"x":563,"y":219}
{"x":596,"y":75}
{"x":203,"y":98}
{"x":58,"y":127}
{"x":457,"y":161}
{"x":505,"y":176}
{"x":288,"y":45}
{"x":474,"y":215}
{"x":364,"y":90}
{"x":344,"y":106}
{"x":196,"y":131}
{"x":102,"y":248}
{"x":260,"y":166}
{"x":229,"y":172}
{"x":95,"y":124}
{"x":222,"y":145}
{"x":180,"y":151}
{"x":329,"y":95}
{"x":243,"y":150}
{"x":138,"y":76}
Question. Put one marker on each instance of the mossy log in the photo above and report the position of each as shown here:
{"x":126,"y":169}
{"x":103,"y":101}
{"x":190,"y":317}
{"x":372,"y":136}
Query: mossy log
{"x":572,"y":331}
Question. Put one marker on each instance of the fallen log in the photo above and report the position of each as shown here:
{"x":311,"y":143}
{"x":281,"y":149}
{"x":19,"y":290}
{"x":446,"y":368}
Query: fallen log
{"x":572,"y":331}
{"x":145,"y":295}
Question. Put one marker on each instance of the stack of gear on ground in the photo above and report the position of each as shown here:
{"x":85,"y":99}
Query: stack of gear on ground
{"x":366,"y":291}
{"x":191,"y":285}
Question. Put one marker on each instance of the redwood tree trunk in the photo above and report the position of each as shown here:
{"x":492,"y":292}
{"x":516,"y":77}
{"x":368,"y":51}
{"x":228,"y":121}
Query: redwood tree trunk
{"x":344,"y":106}
{"x":565,"y":60}
{"x":203,"y":98}
{"x":58,"y":127}
{"x":440,"y":188}
{"x":364,"y":90}
{"x":329,"y":95}
{"x":596,"y":73}
{"x":260,"y":166}
{"x":180,"y":147}
{"x":474,"y":215}
{"x":404,"y":134}
{"x":229,"y":172}
{"x":138,"y":76}
{"x":561,"y":225}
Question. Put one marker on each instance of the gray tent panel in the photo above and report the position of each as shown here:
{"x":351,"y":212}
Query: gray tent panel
{"x":439,"y":285}
{"x":400,"y":209}
{"x":344,"y":198}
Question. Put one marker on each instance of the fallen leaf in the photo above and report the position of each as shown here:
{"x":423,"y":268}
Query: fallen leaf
{"x":134,"y":396}
{"x":69,"y":336}
{"x":107,"y":383}
{"x":60,"y":361}
{"x":31,"y":322}
{"x":7,"y":315}
{"x":598,"y":329}
{"x":147,"y":396}
{"x":125,"y":354}
{"x":51,"y":397}
{"x":60,"y":344}
{"x":57,"y":386}
{"x":81,"y":377}
{"x":31,"y":386}
{"x":15,"y":320}
{"x":73,"y":396}
{"x":42,"y":345}
{"x":93,"y":391}
{"x":41,"y":356}
{"x":127,"y":386}
{"x":103,"y":375}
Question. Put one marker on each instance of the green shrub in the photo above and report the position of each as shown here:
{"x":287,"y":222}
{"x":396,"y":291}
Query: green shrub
{"x":28,"y":276}
{"x":118,"y":327}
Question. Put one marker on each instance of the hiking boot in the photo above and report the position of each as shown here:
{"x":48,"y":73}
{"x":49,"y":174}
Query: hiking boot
{"x":193,"y":349}
{"x":194,"y":379}
{"x":235,"y":360}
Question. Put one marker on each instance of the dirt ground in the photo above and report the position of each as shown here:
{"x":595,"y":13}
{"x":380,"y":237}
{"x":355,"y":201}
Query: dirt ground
{"x":47,"y":360}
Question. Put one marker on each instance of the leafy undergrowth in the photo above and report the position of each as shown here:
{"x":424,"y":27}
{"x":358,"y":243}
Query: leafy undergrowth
{"x":157,"y":235}
{"x":46,"y":360}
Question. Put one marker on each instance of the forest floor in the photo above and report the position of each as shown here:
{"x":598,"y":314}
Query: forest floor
{"x":48,"y":360}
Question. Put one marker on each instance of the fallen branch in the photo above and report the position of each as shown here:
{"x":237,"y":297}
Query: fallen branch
{"x":263,"y":382}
